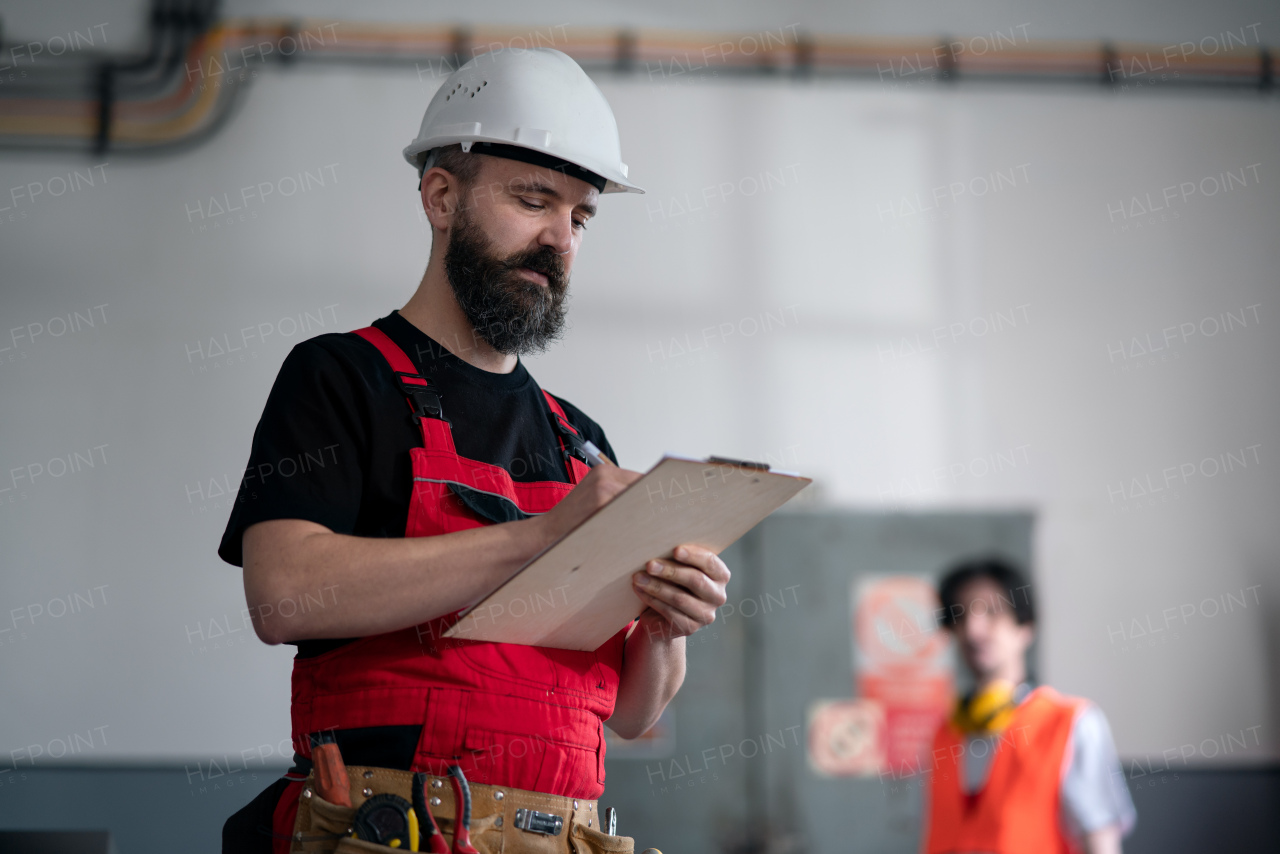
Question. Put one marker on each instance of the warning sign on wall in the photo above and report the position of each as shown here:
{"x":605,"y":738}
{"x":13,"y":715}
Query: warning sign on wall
{"x":902,"y":682}
{"x":846,"y":737}
{"x":902,"y":661}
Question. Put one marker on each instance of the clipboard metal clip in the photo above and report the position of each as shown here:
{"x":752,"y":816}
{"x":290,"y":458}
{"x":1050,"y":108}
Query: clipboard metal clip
{"x":746,"y":464}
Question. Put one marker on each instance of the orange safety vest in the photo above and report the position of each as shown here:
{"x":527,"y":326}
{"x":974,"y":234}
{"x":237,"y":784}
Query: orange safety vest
{"x":1017,"y":811}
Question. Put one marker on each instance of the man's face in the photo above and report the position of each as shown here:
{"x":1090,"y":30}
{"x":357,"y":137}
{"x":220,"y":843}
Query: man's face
{"x":512,"y":242}
{"x":987,"y":632}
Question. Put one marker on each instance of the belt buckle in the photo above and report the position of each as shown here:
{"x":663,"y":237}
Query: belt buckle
{"x":539,"y":822}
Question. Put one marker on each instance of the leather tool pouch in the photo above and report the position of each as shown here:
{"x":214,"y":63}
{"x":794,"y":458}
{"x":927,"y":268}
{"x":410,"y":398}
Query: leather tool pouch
{"x":324,"y":828}
{"x":588,"y":840}
{"x":322,"y":825}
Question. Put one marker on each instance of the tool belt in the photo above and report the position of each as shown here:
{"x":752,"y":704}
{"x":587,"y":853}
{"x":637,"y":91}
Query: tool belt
{"x":502,"y":819}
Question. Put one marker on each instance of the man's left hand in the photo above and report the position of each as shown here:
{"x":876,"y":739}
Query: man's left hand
{"x":682,"y":594}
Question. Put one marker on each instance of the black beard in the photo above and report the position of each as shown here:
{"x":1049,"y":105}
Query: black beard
{"x":512,"y":314}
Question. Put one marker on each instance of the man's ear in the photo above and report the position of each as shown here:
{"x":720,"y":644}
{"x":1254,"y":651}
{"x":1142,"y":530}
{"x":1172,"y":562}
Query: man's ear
{"x":438,"y":191}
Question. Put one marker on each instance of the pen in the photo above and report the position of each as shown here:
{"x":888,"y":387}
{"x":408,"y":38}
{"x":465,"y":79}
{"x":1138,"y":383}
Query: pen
{"x":593,"y":454}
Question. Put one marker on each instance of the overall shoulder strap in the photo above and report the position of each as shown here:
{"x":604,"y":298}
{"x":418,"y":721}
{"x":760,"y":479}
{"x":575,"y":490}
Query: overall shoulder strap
{"x":570,"y":440}
{"x":422,"y":396}
{"x":391,"y":351}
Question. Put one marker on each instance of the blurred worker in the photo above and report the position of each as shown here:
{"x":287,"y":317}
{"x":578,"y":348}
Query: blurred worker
{"x":391,"y":520}
{"x":1018,"y":768}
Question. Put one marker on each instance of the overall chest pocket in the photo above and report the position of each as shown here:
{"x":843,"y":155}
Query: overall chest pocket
{"x":538,"y":762}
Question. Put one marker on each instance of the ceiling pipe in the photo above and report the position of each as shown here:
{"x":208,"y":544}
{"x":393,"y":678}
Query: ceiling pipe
{"x":195,"y":67}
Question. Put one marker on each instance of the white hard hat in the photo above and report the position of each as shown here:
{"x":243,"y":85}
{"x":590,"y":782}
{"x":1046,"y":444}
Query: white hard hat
{"x":536,"y":105}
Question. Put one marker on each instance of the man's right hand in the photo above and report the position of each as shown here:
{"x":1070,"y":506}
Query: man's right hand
{"x":597,"y":489}
{"x":375,"y":585}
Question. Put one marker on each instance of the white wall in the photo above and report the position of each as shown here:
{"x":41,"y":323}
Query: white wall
{"x":829,"y":257}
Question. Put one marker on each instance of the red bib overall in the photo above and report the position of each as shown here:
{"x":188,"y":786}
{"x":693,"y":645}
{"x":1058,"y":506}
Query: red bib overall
{"x":520,"y":716}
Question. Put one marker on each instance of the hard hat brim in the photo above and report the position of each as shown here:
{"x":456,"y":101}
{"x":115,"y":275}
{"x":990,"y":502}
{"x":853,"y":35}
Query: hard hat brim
{"x":615,"y":181}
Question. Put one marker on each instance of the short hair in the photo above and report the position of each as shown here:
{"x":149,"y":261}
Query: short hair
{"x":1004,"y":573}
{"x":458,"y":163}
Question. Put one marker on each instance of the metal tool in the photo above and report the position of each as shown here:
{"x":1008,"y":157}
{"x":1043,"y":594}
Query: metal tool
{"x":462,"y":812}
{"x":539,"y":822}
{"x":611,"y":821}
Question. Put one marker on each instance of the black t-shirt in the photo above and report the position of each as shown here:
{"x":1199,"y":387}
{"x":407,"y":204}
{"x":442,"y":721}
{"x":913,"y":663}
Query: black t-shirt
{"x":333,"y":442}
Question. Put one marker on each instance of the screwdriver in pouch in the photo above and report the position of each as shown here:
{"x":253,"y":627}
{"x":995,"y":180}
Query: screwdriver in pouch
{"x":332,"y":783}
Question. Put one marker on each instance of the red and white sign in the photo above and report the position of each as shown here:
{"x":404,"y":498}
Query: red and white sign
{"x":902,"y":687}
{"x":903,"y":662}
{"x":846,"y":737}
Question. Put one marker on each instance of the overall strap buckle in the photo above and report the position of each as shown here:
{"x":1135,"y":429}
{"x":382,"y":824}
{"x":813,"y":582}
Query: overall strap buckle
{"x":423,"y":398}
{"x":570,"y":439}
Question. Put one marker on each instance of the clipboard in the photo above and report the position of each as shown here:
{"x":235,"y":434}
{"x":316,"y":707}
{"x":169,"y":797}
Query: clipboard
{"x":577,"y":592}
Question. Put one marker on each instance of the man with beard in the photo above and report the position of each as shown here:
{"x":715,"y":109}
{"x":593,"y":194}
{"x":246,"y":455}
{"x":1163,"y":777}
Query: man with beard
{"x":364,"y":528}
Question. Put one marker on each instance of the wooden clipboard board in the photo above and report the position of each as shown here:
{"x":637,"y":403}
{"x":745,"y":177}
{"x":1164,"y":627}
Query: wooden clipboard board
{"x":577,"y":593}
